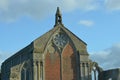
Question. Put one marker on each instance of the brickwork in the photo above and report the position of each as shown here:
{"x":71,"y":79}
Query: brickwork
{"x":61,"y":62}
{"x":52,"y":66}
{"x":68,"y":64}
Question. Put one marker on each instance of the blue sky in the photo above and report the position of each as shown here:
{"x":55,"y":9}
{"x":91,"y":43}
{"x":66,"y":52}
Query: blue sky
{"x":97,"y":22}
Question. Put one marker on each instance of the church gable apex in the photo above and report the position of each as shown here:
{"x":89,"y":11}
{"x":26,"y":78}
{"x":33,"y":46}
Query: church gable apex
{"x":79,"y":44}
{"x":59,"y":36}
{"x":42,"y":42}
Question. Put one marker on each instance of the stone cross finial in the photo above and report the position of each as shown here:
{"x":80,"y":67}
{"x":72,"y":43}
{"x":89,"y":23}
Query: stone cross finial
{"x":58,"y":19}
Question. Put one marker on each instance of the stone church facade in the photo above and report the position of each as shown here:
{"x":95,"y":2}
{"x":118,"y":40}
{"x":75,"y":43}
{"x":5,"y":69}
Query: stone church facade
{"x":56,"y":55}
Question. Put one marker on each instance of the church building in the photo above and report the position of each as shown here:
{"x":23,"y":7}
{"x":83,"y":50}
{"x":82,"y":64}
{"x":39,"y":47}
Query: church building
{"x":57,"y":55}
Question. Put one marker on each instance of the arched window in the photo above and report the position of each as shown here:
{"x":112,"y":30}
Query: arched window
{"x":95,"y":70}
{"x":94,"y":73}
{"x":25,"y":72}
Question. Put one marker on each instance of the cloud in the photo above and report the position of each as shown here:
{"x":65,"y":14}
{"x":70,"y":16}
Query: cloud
{"x":108,"y":58}
{"x":87,"y":23}
{"x":112,"y":5}
{"x":11,"y":10}
{"x":4,"y":55}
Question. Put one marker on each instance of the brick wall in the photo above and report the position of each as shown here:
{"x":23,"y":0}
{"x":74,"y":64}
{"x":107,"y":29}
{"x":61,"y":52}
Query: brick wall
{"x":52,"y":66}
{"x":68,"y":64}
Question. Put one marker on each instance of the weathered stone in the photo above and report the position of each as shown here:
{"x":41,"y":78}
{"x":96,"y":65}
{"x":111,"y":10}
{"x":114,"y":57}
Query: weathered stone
{"x":56,"y":55}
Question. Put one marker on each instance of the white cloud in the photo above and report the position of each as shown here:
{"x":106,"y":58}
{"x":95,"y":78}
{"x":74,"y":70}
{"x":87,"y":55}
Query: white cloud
{"x":87,"y":23}
{"x":4,"y":55}
{"x":109,"y":58}
{"x":112,"y":4}
{"x":13,"y":9}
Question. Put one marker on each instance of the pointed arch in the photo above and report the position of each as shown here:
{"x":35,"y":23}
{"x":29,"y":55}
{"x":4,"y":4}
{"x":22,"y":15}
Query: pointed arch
{"x":54,"y":62}
{"x":95,"y":70}
{"x":69,"y":63}
{"x":26,"y":71}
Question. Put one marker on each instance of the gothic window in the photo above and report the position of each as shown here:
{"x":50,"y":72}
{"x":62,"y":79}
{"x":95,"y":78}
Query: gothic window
{"x":60,"y":40}
{"x":25,"y":72}
{"x":94,"y":73}
{"x":27,"y":75}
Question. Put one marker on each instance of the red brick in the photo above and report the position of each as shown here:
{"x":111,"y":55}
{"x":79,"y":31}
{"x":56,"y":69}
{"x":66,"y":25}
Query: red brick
{"x":68,"y":64}
{"x":52,"y":67}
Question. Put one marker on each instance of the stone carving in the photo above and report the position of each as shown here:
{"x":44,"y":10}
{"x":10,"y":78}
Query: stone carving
{"x":32,"y":63}
{"x":37,"y":56}
{"x":51,"y":48}
{"x":14,"y":75}
{"x":60,"y":40}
